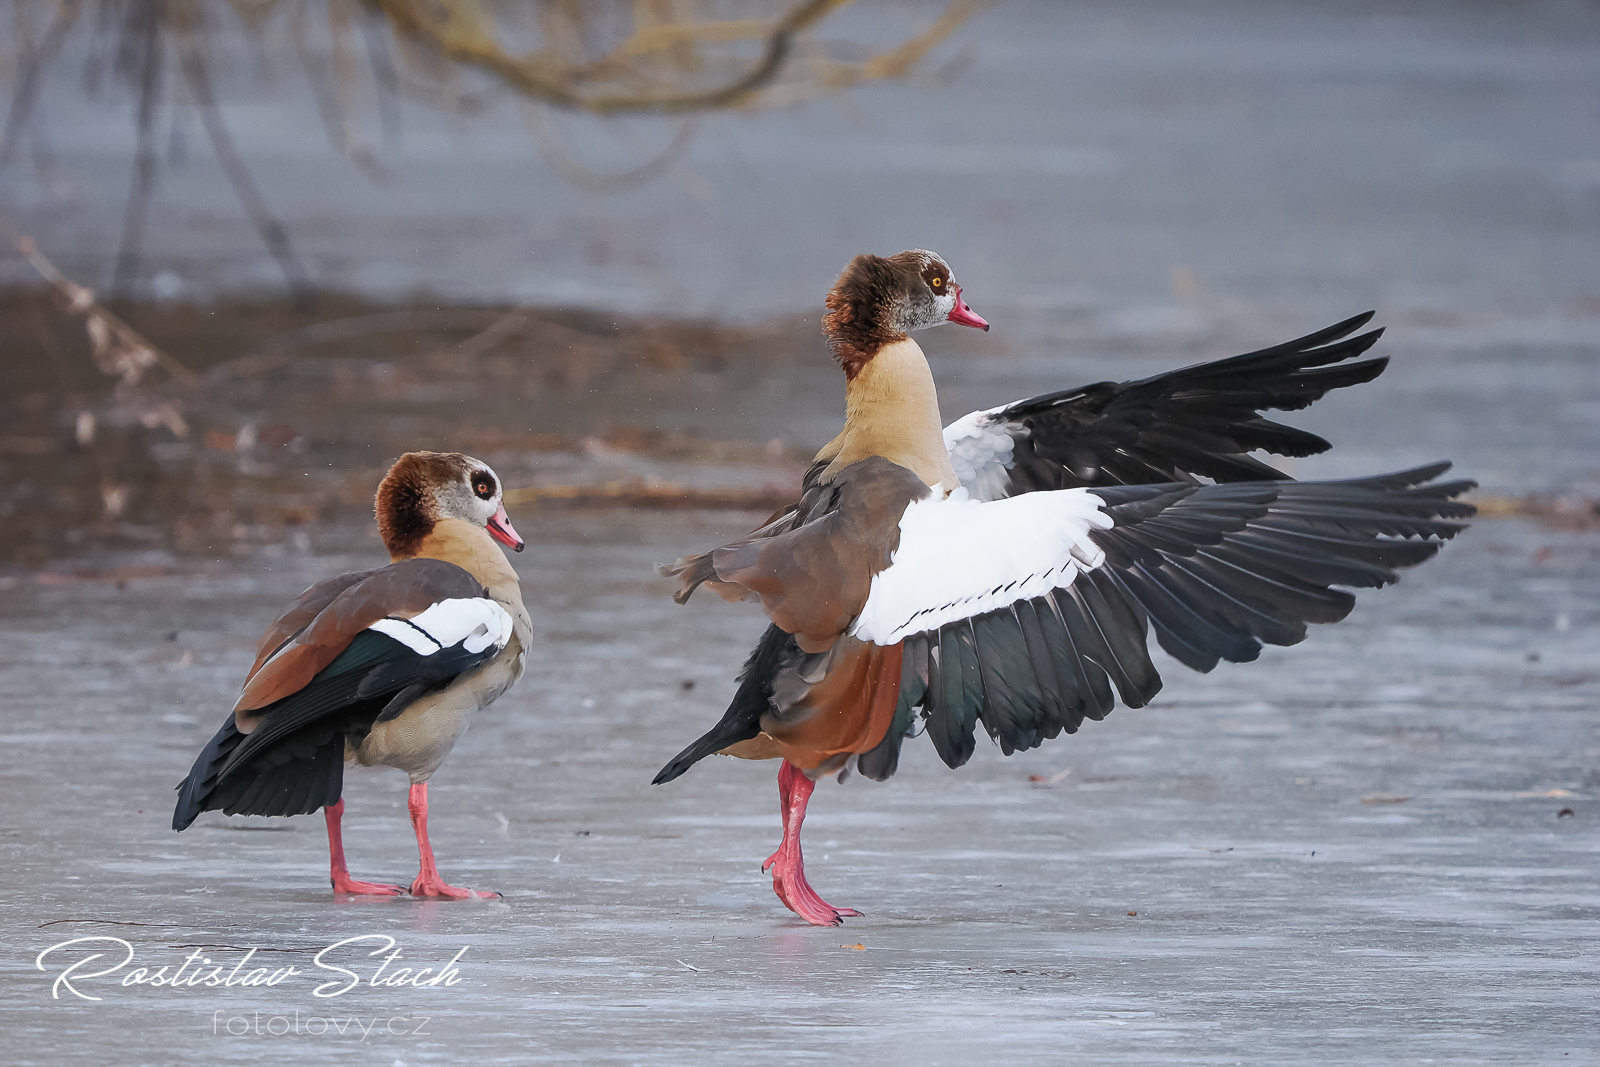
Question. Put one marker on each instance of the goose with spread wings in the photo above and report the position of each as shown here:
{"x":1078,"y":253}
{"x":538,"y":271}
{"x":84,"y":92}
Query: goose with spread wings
{"x":1007,"y":570}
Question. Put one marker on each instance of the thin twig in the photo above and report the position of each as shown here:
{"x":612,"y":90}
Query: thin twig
{"x":472,"y":46}
{"x":271,"y":353}
{"x":583,"y":177}
{"x":255,"y":205}
{"x":487,"y":338}
{"x":326,"y":91}
{"x":897,"y":62}
{"x":112,"y":922}
{"x":383,"y":74}
{"x":27,"y":90}
{"x":144,"y":167}
{"x":81,"y":299}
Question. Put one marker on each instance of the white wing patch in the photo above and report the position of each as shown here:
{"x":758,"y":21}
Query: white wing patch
{"x":474,"y":622}
{"x":980,"y":449}
{"x":960,"y":557}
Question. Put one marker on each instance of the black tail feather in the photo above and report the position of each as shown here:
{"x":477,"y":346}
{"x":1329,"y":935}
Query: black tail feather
{"x":297,"y":776}
{"x":195,"y":790}
{"x":742,"y":720}
{"x":292,"y":763}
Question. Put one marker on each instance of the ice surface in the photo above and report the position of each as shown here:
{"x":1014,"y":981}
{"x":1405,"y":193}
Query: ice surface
{"x":1280,"y":918}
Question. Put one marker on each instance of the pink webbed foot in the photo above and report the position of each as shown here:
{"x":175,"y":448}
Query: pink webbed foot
{"x":788,"y":864}
{"x":428,"y":883}
{"x":345,"y":884}
{"x":789,"y":882}
{"x":431,"y":885}
{"x":338,"y":874}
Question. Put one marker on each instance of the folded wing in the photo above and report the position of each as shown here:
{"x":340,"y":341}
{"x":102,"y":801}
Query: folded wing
{"x":373,"y":647}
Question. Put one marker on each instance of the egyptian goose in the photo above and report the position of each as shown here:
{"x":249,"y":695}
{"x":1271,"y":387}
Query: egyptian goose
{"x":381,"y":667}
{"x":1006,"y":569}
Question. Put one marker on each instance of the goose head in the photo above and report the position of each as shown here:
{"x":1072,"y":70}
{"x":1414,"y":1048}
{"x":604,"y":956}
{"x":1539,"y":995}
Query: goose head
{"x":423,"y":488}
{"x":877,"y":300}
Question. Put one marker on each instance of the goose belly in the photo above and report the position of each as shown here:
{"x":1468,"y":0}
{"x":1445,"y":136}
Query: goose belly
{"x":420,"y":737}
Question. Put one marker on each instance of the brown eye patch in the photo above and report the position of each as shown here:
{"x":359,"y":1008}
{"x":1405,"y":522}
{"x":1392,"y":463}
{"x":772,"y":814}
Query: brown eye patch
{"x":483,"y":485}
{"x":937,"y":277}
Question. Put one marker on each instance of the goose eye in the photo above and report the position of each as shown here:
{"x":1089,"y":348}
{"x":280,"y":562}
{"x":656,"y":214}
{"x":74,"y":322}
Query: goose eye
{"x":937,"y":282}
{"x":484,"y":488}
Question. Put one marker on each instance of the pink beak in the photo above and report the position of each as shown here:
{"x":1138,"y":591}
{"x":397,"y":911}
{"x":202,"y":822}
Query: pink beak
{"x":499,"y":527}
{"x":964,"y":315}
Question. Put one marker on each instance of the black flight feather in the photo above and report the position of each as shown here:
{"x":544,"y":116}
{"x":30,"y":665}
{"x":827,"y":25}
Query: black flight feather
{"x":1217,"y":571}
{"x":1188,"y":424}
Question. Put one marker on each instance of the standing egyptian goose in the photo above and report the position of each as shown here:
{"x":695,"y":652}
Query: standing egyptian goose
{"x":381,"y":667}
{"x":1006,"y":569}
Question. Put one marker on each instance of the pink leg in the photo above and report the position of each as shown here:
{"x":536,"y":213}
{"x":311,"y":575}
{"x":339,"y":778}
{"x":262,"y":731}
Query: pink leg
{"x":428,"y":883}
{"x":339,"y":874}
{"x":787,"y":865}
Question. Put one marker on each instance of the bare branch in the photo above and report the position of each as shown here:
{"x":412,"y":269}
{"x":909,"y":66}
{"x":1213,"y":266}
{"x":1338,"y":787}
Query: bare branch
{"x":81,"y":300}
{"x":196,"y":73}
{"x":383,"y":73}
{"x":898,"y":62}
{"x":465,"y":40}
{"x":328,"y":89}
{"x":146,"y":19}
{"x":584,"y":178}
{"x":34,"y":63}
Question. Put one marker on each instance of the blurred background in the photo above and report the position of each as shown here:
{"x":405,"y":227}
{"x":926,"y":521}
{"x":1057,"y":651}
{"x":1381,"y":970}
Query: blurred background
{"x":589,"y":241}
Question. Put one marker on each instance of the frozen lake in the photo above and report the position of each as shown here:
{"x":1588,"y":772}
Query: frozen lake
{"x":1290,"y":907}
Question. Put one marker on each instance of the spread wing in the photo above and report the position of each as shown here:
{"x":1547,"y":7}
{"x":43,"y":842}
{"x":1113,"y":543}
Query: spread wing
{"x":1032,"y":613}
{"x":1199,"y":422}
{"x":377,"y":644}
{"x":1025,"y":614}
